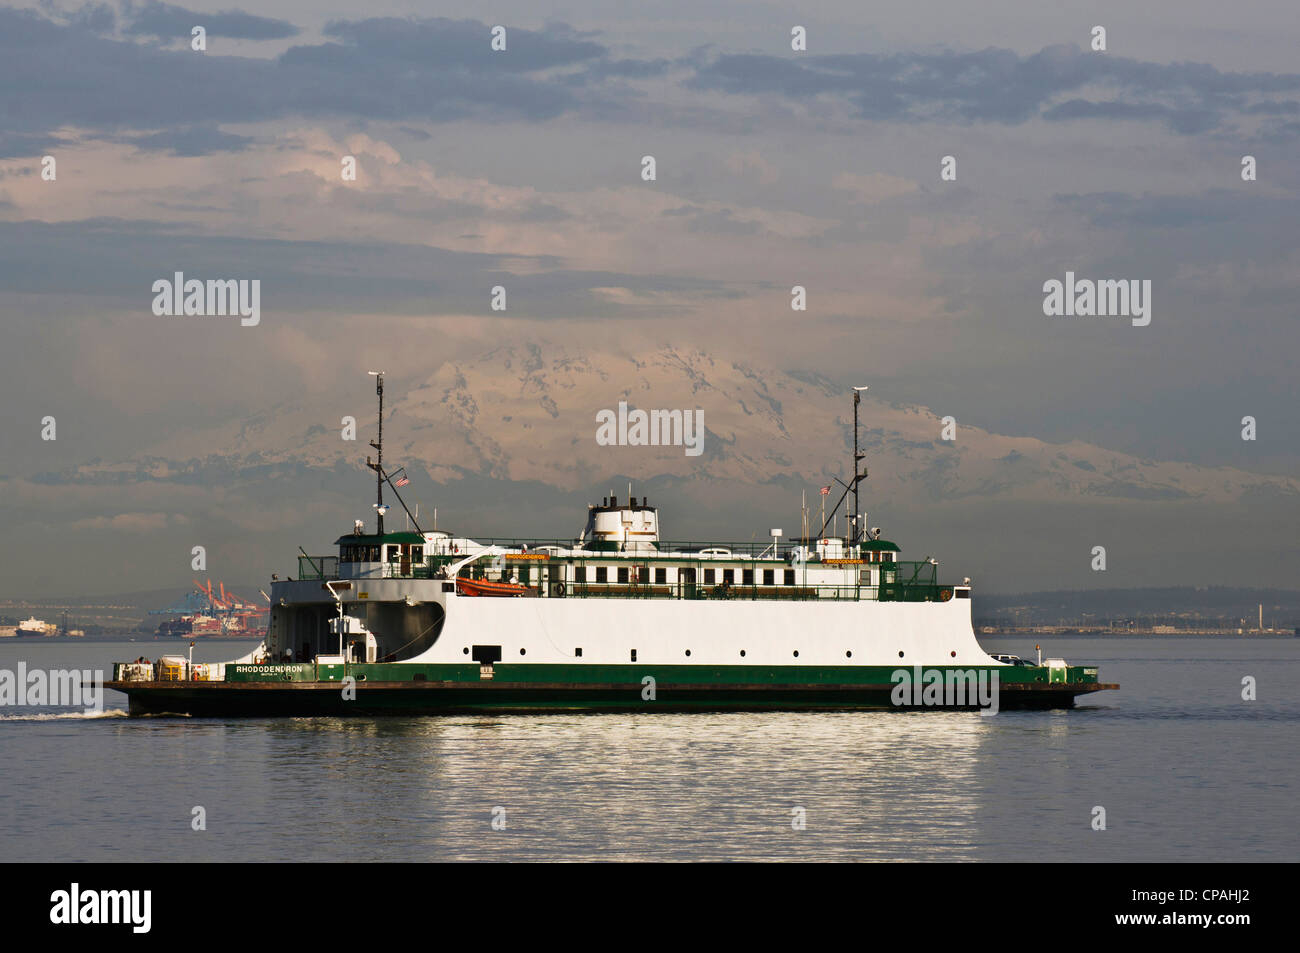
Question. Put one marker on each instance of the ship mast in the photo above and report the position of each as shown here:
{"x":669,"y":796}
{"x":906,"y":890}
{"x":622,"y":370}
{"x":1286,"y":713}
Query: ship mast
{"x":378,"y":466}
{"x":857,"y":459}
{"x":853,"y":529}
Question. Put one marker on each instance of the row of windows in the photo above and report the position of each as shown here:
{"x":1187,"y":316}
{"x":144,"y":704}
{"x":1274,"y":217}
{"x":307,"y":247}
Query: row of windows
{"x":712,"y":577}
{"x":370,"y":554}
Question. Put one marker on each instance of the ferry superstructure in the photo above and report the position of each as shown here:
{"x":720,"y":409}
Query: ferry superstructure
{"x":432,"y":622}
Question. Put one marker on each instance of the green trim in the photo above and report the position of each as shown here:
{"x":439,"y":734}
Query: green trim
{"x":374,"y":540}
{"x":565,"y":673}
{"x":763,"y":674}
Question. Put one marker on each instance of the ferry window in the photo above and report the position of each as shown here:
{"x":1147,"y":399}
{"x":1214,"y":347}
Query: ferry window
{"x":747,"y":577}
{"x":789,"y":577}
{"x":769,"y":577}
{"x":709,"y":577}
{"x":602,"y":574}
{"x":622,"y":574}
{"x":417,"y":553}
{"x":580,"y":574}
{"x":523,"y":575}
{"x":634,"y":655}
{"x":661,"y":576}
{"x":728,"y":575}
{"x":643,"y":574}
{"x":577,"y":653}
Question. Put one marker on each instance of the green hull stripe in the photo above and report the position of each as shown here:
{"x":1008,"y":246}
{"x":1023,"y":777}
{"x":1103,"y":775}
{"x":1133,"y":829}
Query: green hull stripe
{"x":761,"y":674}
{"x":581,"y":674}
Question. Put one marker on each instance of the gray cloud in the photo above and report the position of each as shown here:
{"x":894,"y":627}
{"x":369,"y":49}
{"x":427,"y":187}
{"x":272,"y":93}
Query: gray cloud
{"x":434,"y":70}
{"x":119,"y":261}
{"x":996,"y":85}
{"x":447,"y":46}
{"x":1186,"y":121}
{"x":440,"y":70}
{"x":166,"y":21}
{"x":196,"y":140}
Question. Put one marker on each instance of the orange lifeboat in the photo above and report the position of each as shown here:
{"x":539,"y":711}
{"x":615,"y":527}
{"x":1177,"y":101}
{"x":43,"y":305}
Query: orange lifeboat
{"x":486,"y":587}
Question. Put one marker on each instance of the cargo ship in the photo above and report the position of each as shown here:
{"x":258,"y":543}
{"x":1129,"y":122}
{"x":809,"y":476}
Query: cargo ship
{"x":419,"y":622}
{"x":190,"y":626}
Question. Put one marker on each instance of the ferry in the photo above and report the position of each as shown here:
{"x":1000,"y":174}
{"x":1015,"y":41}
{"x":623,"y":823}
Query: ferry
{"x":420,"y":622}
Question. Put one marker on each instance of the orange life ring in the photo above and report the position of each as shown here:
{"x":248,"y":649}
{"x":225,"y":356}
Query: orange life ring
{"x":945,"y":595}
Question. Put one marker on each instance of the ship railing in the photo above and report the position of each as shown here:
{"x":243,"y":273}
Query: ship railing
{"x":887,"y":593}
{"x":797,"y":593}
{"x":169,"y":669}
{"x":899,"y":581}
{"x":666,"y":548}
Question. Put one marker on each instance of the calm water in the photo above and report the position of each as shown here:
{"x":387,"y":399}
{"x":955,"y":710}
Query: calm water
{"x":1185,"y":769}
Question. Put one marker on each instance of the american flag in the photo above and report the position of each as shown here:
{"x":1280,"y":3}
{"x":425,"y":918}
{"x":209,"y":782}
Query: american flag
{"x":401,"y":481}
{"x":825,"y":490}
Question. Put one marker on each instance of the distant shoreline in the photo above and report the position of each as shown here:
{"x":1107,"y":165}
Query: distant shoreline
{"x":123,"y":637}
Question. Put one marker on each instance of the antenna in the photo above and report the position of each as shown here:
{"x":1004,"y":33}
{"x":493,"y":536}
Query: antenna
{"x":857,"y":458}
{"x":853,"y":518}
{"x":378,"y":465}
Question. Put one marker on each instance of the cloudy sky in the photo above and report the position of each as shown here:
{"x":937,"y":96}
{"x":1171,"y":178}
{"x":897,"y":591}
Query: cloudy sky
{"x":522,"y":168}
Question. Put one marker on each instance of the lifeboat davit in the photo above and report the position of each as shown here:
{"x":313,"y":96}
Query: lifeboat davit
{"x":486,"y":587}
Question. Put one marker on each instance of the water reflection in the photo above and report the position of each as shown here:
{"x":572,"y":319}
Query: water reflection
{"x":872,"y":785}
